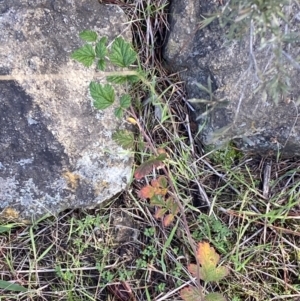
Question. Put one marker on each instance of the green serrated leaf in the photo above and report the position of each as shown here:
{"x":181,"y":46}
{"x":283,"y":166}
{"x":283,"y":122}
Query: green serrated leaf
{"x":133,"y":79}
{"x":103,"y":95}
{"x":158,"y":201}
{"x":210,"y":275}
{"x":119,"y":112}
{"x":84,"y":55}
{"x":11,"y":286}
{"x":88,"y":35}
{"x":124,"y":138}
{"x":122,"y":53}
{"x":163,"y":182}
{"x":101,"y":49}
{"x":214,"y":297}
{"x":101,"y":64}
{"x":125,"y":101}
{"x":117,"y":79}
{"x":121,"y":79}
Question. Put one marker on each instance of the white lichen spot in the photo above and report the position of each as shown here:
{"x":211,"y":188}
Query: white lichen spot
{"x":23,"y":162}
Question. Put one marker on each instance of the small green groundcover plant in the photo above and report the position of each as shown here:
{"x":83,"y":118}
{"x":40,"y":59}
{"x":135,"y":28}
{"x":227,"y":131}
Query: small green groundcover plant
{"x":122,"y":55}
{"x":8,"y":285}
{"x":267,"y":25}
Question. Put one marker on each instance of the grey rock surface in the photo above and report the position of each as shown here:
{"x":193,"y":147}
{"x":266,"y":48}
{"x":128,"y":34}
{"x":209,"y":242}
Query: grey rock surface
{"x":56,"y":150}
{"x":234,"y":111}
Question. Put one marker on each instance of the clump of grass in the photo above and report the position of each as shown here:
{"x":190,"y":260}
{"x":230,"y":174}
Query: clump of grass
{"x":269,"y":26}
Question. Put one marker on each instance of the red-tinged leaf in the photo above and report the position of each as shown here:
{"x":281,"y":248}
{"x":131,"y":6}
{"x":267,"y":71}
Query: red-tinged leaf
{"x":168,"y":219}
{"x":159,"y":190}
{"x":155,"y":183}
{"x":192,"y":268}
{"x":147,"y":167}
{"x":147,"y":192}
{"x":207,"y":255}
{"x":162,"y":191}
{"x":190,"y":293}
{"x":160,"y":213}
{"x":214,"y":297}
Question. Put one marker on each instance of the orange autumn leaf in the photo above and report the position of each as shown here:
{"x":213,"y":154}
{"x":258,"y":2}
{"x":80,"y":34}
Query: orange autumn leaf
{"x":160,"y":182}
{"x":168,"y":219}
{"x":207,"y":254}
{"x":208,"y":258}
{"x":160,"y":213}
{"x":158,"y":187}
{"x":147,"y":192}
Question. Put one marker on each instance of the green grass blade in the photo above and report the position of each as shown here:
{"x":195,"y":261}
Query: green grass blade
{"x":11,"y":286}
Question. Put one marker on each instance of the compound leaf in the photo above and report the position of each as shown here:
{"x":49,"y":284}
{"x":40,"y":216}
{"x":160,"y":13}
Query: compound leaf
{"x":155,"y":189}
{"x":214,"y":297}
{"x":101,"y":49}
{"x":84,"y":55}
{"x":190,"y":293}
{"x":124,"y":138}
{"x":6,"y":285}
{"x":88,"y":35}
{"x":103,"y":95}
{"x":147,"y":192}
{"x":122,"y":53}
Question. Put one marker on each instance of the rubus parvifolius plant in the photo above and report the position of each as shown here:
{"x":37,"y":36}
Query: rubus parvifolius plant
{"x":208,"y":272}
{"x":120,"y":54}
{"x":157,"y":190}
